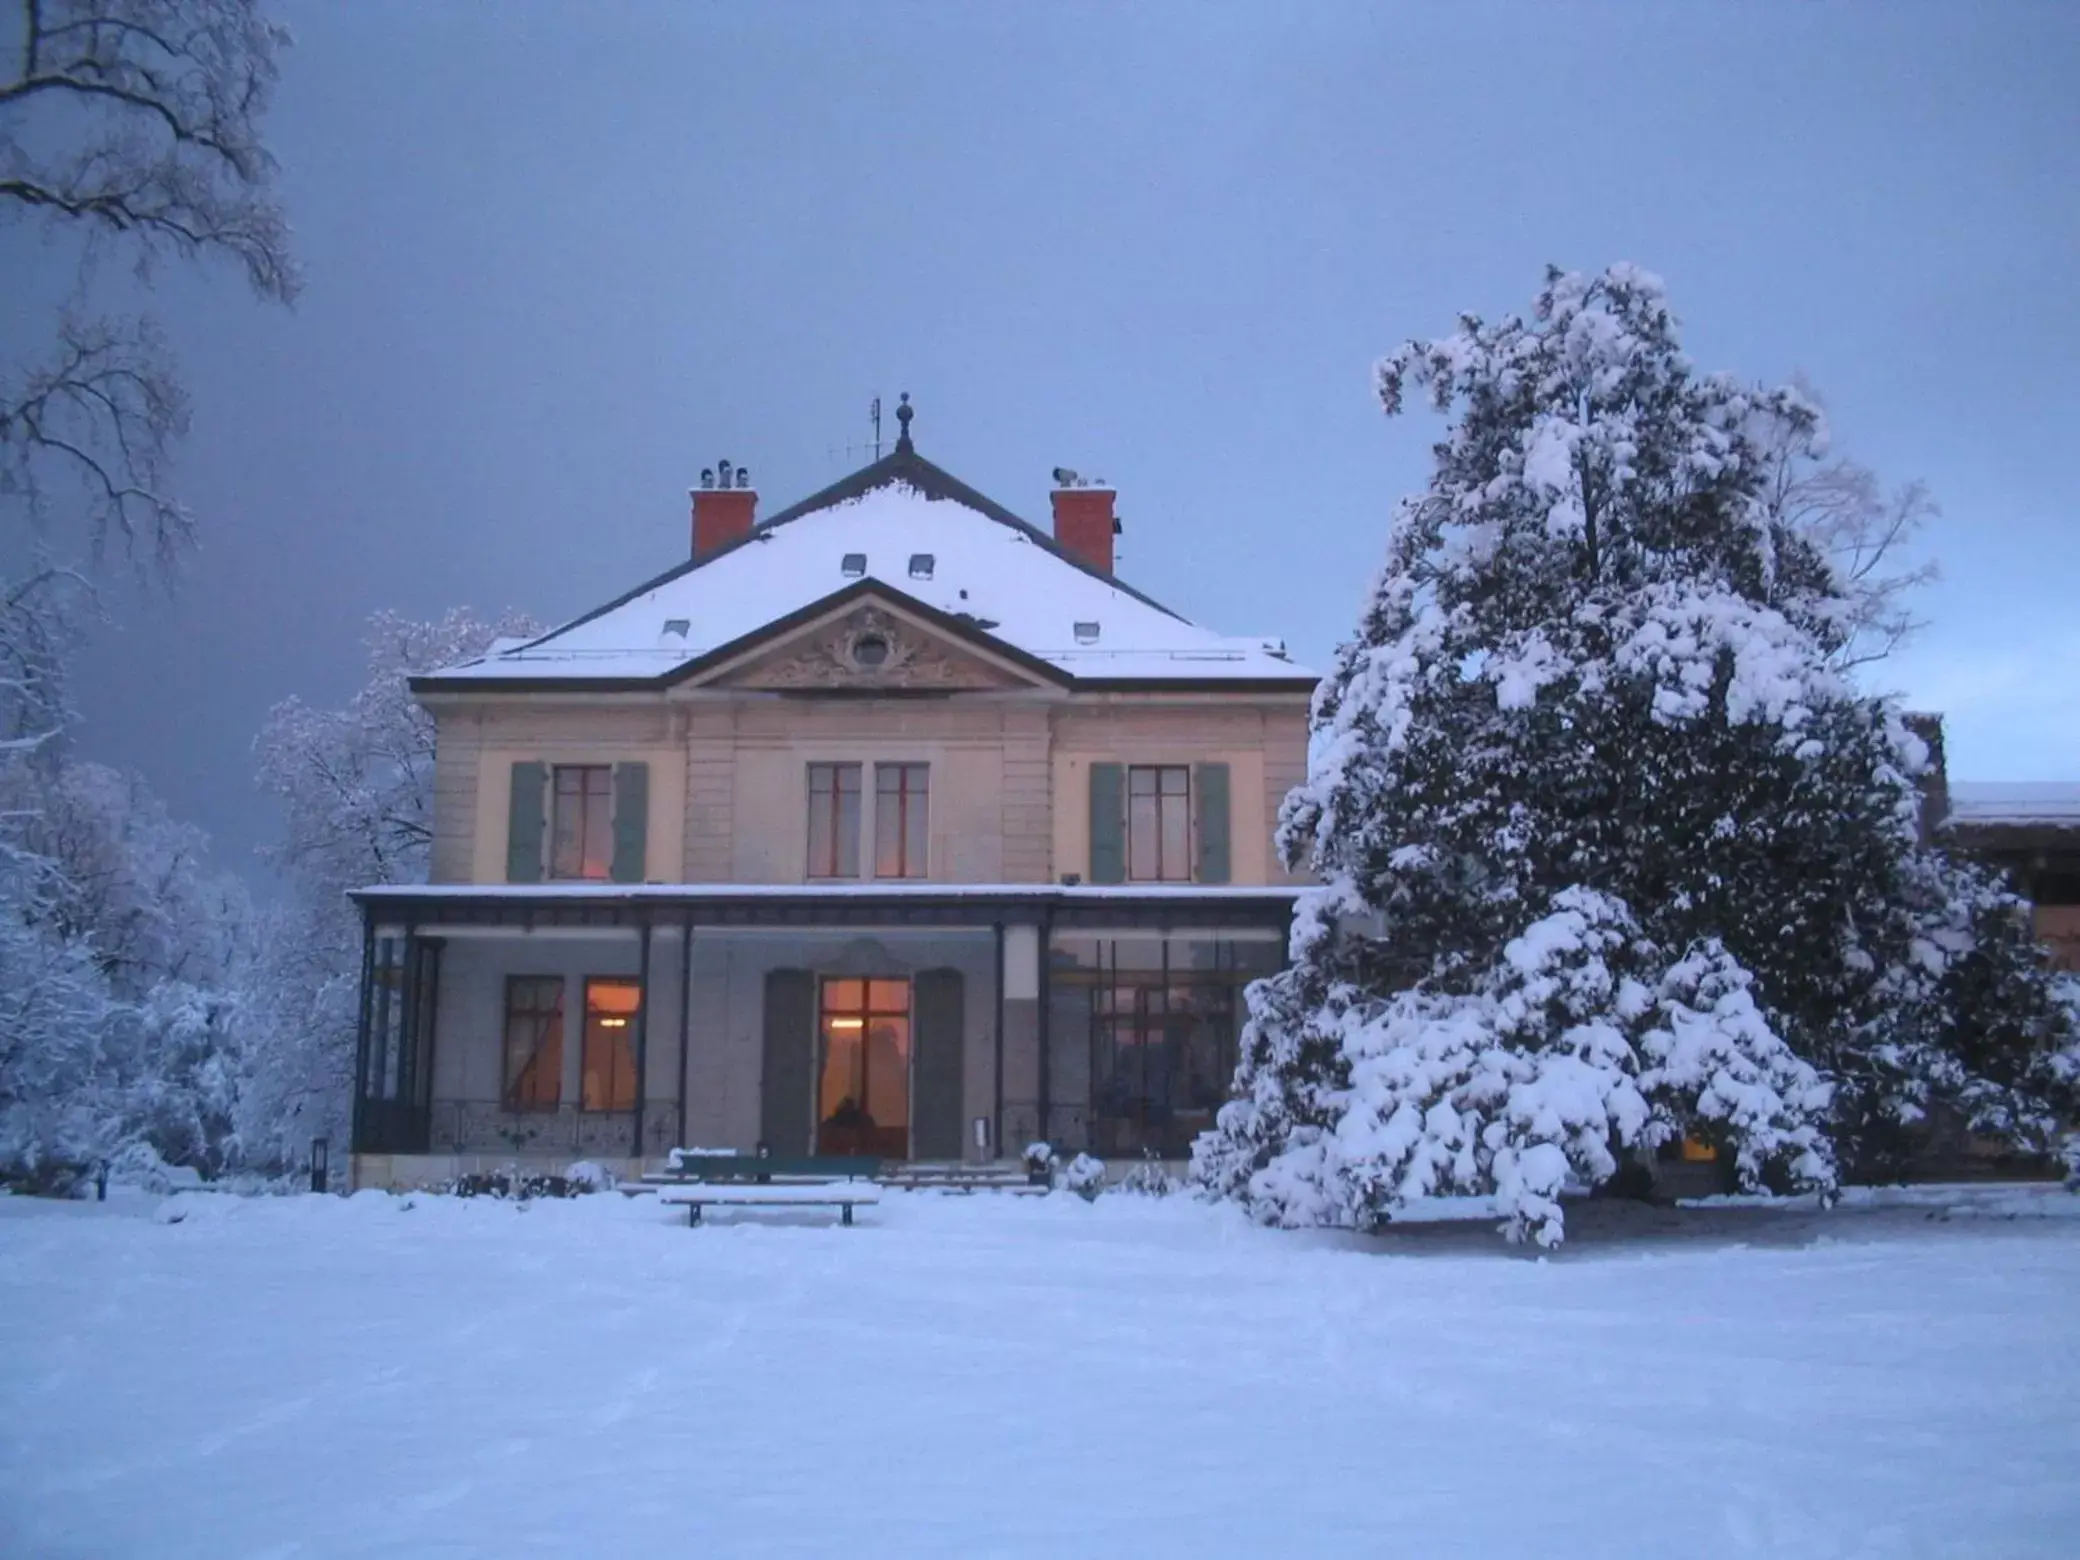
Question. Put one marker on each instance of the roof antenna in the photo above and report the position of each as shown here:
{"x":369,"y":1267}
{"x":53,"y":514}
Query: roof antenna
{"x":903,"y":415}
{"x":854,"y":451}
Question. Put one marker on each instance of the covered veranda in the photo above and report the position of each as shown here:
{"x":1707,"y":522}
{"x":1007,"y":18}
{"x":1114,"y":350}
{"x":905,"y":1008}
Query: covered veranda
{"x":533,"y":1025}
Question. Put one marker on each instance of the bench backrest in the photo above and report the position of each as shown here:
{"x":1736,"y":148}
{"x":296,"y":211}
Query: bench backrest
{"x":749,"y":1167}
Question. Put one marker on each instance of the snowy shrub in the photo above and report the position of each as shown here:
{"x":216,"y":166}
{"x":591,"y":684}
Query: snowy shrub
{"x":1085,"y":1176}
{"x":517,"y":1185}
{"x":1147,"y":1179}
{"x":591,"y":1176}
{"x":139,"y":1165}
{"x":1609,"y":848}
{"x":1039,"y":1159}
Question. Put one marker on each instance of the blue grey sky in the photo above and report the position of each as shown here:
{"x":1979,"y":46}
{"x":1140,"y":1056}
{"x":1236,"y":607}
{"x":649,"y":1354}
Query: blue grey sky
{"x":562,"y":256}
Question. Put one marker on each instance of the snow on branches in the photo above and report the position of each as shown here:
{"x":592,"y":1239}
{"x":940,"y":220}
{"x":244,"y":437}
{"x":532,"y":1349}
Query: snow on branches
{"x":356,"y":789}
{"x":1610,"y":848}
{"x":1581,"y":1040}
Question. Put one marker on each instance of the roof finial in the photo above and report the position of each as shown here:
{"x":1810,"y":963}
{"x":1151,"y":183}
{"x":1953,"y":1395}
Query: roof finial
{"x":904,"y":413}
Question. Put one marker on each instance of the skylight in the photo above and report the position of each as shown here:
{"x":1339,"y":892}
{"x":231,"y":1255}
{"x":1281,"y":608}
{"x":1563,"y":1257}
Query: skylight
{"x":1087,"y":632}
{"x":921,"y":566}
{"x":853,"y":565}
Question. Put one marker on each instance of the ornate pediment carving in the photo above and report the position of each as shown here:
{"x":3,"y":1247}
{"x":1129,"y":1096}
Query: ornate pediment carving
{"x":864,"y":650}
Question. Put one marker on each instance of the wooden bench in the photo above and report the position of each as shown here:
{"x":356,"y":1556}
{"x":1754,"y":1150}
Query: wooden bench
{"x":1007,"y":1179}
{"x":697,"y":1181}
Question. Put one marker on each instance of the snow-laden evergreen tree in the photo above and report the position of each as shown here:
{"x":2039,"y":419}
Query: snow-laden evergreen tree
{"x":1610,"y":849}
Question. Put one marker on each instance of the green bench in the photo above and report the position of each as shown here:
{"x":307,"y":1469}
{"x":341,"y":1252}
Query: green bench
{"x":697,"y":1181}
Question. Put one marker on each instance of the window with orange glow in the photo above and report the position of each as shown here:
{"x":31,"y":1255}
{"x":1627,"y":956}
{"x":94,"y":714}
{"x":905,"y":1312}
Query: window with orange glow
{"x":581,"y":823}
{"x":608,"y":1070}
{"x":863,"y":1088}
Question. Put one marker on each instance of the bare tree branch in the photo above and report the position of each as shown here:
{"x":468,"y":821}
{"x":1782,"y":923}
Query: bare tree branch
{"x":136,"y":122}
{"x":1864,"y":531}
{"x":164,"y":99}
{"x":92,"y":430}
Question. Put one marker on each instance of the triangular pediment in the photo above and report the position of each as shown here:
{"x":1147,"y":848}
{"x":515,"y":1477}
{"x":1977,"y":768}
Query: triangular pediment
{"x":867,"y":646}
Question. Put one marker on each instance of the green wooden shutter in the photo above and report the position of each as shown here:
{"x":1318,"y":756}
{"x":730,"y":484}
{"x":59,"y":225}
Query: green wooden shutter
{"x":524,"y":822}
{"x":631,"y":820}
{"x":1108,"y":823}
{"x":935,"y":1087}
{"x":1211,"y":784}
{"x":788,"y":1086}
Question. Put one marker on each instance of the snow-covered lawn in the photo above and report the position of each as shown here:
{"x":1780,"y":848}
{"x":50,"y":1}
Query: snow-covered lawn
{"x":981,"y":1376}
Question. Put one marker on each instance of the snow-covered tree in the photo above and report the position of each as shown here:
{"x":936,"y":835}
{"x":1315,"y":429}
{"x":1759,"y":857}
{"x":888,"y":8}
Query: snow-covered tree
{"x":356,"y":784}
{"x":121,"y":956}
{"x":131,"y":129}
{"x":1609,"y":847}
{"x":356,"y":789}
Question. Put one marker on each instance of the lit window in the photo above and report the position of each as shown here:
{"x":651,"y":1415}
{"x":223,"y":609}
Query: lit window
{"x":899,"y":819}
{"x":582,"y":823}
{"x":608,"y":1073}
{"x":834,"y":820}
{"x":1159,"y":823}
{"x":863,"y":1088}
{"x":534,"y":1042}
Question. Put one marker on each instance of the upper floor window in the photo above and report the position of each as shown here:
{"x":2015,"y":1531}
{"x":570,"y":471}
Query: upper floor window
{"x":581,"y":825}
{"x":578,"y":822}
{"x":1159,"y":823}
{"x":834,"y":820}
{"x":900,"y":796}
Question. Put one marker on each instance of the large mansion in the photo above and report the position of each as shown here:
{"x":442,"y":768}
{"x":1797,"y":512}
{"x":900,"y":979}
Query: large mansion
{"x":892,"y":824}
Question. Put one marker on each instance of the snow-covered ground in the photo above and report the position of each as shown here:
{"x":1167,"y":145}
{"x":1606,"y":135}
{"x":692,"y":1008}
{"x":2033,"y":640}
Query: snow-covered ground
{"x":988,"y":1376}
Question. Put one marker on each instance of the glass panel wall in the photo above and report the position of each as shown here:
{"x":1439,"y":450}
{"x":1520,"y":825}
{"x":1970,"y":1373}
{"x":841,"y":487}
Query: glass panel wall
{"x":1143,"y":1034}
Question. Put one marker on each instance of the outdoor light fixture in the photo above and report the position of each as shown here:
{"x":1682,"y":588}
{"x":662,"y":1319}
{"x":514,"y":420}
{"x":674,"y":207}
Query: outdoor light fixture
{"x":613,"y":1023}
{"x":848,"y":1023}
{"x":321,"y":1149}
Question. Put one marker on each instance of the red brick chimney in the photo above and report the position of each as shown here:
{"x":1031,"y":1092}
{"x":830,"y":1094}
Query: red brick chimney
{"x":1084,"y":525}
{"x":725,"y":506}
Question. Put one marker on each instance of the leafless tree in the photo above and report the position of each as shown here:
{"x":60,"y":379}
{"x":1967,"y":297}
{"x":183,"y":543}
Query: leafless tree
{"x":1865,"y":529}
{"x":135,"y":124}
{"x":131,"y":129}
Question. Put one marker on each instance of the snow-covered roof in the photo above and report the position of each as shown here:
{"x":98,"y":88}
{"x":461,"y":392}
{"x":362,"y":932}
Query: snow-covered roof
{"x":923,"y":537}
{"x":2037,"y":803}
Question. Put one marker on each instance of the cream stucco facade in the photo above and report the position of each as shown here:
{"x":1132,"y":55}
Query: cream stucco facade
{"x":626,"y":944}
